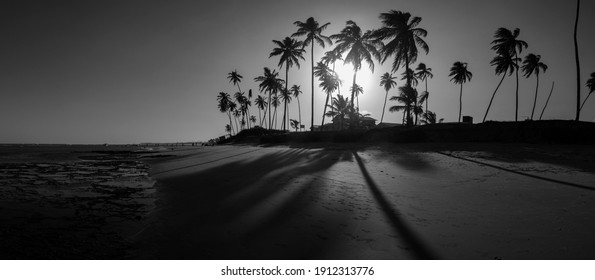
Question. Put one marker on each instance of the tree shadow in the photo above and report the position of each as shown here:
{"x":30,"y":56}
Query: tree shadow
{"x":199,"y":209}
{"x":419,"y":249}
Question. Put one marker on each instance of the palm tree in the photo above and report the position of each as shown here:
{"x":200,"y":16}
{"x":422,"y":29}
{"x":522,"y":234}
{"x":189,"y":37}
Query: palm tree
{"x":329,"y":84}
{"x":408,"y":98}
{"x":241,"y":100}
{"x":504,"y":63}
{"x":423,"y":73}
{"x":253,"y":119}
{"x":339,"y":108}
{"x":387,"y":81}
{"x":261,"y":104}
{"x":270,"y":83}
{"x":460,"y":75}
{"x":428,"y":117}
{"x":403,"y":37}
{"x":532,"y":64}
{"x":235,"y":78}
{"x":329,"y":57}
{"x":275,"y":102}
{"x":295,"y":90}
{"x":223,"y":105}
{"x":409,"y":75}
{"x":290,"y":51}
{"x":547,"y":101}
{"x":357,"y":89}
{"x":228,"y":129}
{"x":359,"y":47}
{"x":236,"y":113}
{"x":313,"y":32}
{"x":295,"y":124}
{"x":591,"y":87}
{"x":506,"y":42}
{"x":578,"y":66}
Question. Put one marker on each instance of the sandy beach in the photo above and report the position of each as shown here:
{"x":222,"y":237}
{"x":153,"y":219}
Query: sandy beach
{"x":410,"y":201}
{"x":318,"y":201}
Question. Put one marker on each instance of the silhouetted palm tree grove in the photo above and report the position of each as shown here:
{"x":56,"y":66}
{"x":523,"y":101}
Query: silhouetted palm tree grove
{"x":399,"y":37}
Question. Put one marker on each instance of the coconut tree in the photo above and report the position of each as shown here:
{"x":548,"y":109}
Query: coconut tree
{"x":388,"y":82}
{"x":532,"y":64}
{"x":359,"y":46}
{"x":290,"y":52}
{"x":241,"y":101}
{"x":547,"y":101}
{"x":276,"y":101}
{"x":331,"y":57}
{"x":286,"y":98}
{"x":295,"y":124}
{"x":507,"y":42}
{"x":428,"y":118}
{"x":329,"y":84}
{"x":312,"y":31}
{"x":223,"y":104}
{"x":295,"y":90}
{"x":423,"y":73}
{"x":504,"y":63}
{"x":253,"y":119}
{"x":357,"y":89}
{"x":408,"y":98}
{"x":591,"y":87}
{"x":409,"y":75}
{"x":270,"y":83}
{"x":403,"y":36}
{"x":340,"y":107}
{"x":261,"y":104}
{"x":460,"y":75}
{"x":236,"y":113}
{"x":235,"y":78}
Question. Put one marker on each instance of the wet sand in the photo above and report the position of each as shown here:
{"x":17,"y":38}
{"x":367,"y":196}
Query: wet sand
{"x":326,"y":201}
{"x":411,"y":201}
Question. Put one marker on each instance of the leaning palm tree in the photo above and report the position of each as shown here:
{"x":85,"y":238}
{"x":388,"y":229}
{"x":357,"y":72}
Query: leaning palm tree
{"x":460,"y":75}
{"x":329,"y":84}
{"x":408,"y":98}
{"x":423,"y":73}
{"x":291,"y":52}
{"x":359,"y":47}
{"x":223,"y":105}
{"x":357,"y":89}
{"x":295,"y":90}
{"x":504,"y":63}
{"x":506,"y":42}
{"x":269,"y":83}
{"x":313,"y":32}
{"x":532,"y":64}
{"x":388,"y":82}
{"x":403,"y":37}
{"x":591,"y":87}
{"x":340,"y":107}
{"x":261,"y":104}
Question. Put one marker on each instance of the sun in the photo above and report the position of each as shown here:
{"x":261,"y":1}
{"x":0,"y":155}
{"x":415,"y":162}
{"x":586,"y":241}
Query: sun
{"x":364,"y":77}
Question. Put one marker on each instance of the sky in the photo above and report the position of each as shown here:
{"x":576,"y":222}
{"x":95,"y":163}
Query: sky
{"x":104,"y":71}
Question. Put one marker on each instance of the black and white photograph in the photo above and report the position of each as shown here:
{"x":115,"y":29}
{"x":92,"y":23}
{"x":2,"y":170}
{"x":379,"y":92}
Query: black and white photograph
{"x":297,"y":130}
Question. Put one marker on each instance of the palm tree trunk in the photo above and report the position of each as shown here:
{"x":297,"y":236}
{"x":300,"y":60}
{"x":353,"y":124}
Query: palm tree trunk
{"x":259,"y":117}
{"x":230,"y":123}
{"x":264,"y":117}
{"x":269,"y":109}
{"x":384,"y":107}
{"x":535,"y":100}
{"x":516,"y":112}
{"x":427,"y":93}
{"x":312,"y":112}
{"x":351,"y":112}
{"x":585,"y":101}
{"x":578,"y":67}
{"x":460,"y":102}
{"x":547,"y":101}
{"x":415,"y":109}
{"x":409,"y":85}
{"x":324,"y":112}
{"x":286,"y":92}
{"x":299,"y":112}
{"x":492,"y":99}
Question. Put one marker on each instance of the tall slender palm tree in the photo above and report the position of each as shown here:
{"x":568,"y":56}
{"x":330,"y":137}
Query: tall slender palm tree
{"x":578,"y":66}
{"x":359,"y":47}
{"x":357,"y":89}
{"x":269,"y":83}
{"x":423,"y":73}
{"x":408,"y":97}
{"x":532,"y":64}
{"x":291,"y":52}
{"x":295,"y":90}
{"x":241,"y":101}
{"x":223,"y":104}
{"x":460,"y":75}
{"x":591,"y":87}
{"x":506,"y":42}
{"x":312,"y":31}
{"x":388,"y":82}
{"x":276,"y":101}
{"x":340,"y":107}
{"x":504,"y":63}
{"x":286,"y":97}
{"x":329,"y":84}
{"x":547,"y":101}
{"x":261,"y":104}
{"x":404,"y":36}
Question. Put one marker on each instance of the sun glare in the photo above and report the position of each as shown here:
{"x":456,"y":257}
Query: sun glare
{"x":364,"y":78}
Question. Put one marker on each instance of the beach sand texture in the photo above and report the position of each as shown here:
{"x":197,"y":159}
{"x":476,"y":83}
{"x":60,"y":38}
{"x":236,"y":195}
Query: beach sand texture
{"x":411,"y":201}
{"x":328,"y":201}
